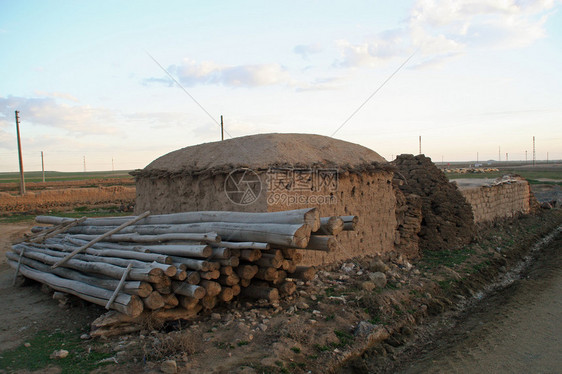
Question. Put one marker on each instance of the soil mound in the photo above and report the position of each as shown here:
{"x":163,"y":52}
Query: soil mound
{"x":263,"y":151}
{"x":448,"y":221}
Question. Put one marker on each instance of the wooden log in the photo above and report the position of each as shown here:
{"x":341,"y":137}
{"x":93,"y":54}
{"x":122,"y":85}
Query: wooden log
{"x":288,"y":235}
{"x":286,"y":264}
{"x":308,"y":216}
{"x":267,"y":293}
{"x":322,"y":243}
{"x":180,"y":275}
{"x":330,"y":226}
{"x":236,"y":290}
{"x":176,"y":313}
{"x":280,"y":278}
{"x":226,"y":270}
{"x":273,"y":253}
{"x":291,"y":268}
{"x":41,"y":236}
{"x":100,"y":238}
{"x":247,"y":271}
{"x":297,"y":258}
{"x":244,"y":245}
{"x":185,"y":289}
{"x":124,"y":303}
{"x":267,"y":274}
{"x":245,"y":282}
{"x":350,"y":222}
{"x":305,"y":273}
{"x":123,"y":329}
{"x":18,"y":267}
{"x":212,"y":288}
{"x":289,"y":253}
{"x":153,"y":301}
{"x":187,"y":302}
{"x":138,"y":288}
{"x":269,"y":262}
{"x":193,"y":277}
{"x":208,"y":237}
{"x":119,"y":286}
{"x":209,"y":302}
{"x":228,"y":280}
{"x":210,"y":275}
{"x":192,"y":264}
{"x":109,"y":270}
{"x":226,"y":294}
{"x":163,"y":286}
{"x":125,"y":254}
{"x":181,"y":250}
{"x":220,"y":253}
{"x":170,"y":300}
{"x":152,"y":268}
{"x":233,"y":261}
{"x":287,"y":288}
{"x":250,"y":254}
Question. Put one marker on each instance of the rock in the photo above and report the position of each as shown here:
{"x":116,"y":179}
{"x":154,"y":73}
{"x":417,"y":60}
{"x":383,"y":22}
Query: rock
{"x":302,"y":305}
{"x":27,"y":345}
{"x":348,"y":267}
{"x":247,"y":370}
{"x":364,"y":328}
{"x":85,"y":336}
{"x":378,"y":266}
{"x":368,"y":286}
{"x":61,"y":353}
{"x":262,"y":327}
{"x":169,"y":367}
{"x":378,"y":278}
{"x":215,"y":316}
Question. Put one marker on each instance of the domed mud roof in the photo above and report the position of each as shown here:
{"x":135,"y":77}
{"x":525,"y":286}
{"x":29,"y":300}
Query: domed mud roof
{"x":263,"y":151}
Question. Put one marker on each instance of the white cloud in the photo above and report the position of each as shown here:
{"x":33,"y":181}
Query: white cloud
{"x":440,"y":29}
{"x":191,"y":73}
{"x":60,"y":95}
{"x":79,"y":119}
{"x":306,"y":50}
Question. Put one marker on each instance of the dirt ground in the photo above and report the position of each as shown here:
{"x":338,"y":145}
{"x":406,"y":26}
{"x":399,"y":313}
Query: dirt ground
{"x":334,"y":324}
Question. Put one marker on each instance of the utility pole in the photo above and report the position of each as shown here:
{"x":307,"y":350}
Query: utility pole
{"x":222,"y":129}
{"x":525,"y":156}
{"x":43,"y":166}
{"x":112,"y":165}
{"x":547,"y":157}
{"x":499,"y":153}
{"x":22,"y":179}
{"x":506,"y":158}
{"x":420,"y":145}
{"x":477,"y":158}
{"x":84,"y":164}
{"x":534,"y":154}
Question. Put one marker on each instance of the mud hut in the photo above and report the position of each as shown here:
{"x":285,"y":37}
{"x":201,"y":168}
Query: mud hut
{"x":273,"y":172}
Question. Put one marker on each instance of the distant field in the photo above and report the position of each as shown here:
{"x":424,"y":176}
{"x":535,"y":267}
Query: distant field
{"x":57,"y":176}
{"x":534,"y":174}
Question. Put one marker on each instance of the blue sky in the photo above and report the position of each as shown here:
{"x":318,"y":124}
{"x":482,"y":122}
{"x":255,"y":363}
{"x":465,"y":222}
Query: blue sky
{"x":484,"y":76}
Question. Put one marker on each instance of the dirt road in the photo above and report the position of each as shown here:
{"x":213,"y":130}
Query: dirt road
{"x":517,"y":330}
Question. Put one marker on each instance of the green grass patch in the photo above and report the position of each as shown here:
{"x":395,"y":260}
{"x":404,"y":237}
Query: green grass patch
{"x":296,"y":349}
{"x":57,"y":176}
{"x":36,"y":357}
{"x":447,"y":258}
{"x":242,"y":343}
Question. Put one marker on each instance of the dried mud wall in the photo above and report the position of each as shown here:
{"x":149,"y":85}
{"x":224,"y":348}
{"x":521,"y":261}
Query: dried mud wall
{"x":500,"y":201}
{"x":54,"y":199}
{"x":368,"y":195}
{"x":447,"y":218}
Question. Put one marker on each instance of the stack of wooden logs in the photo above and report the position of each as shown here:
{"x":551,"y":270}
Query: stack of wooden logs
{"x":174,"y":265}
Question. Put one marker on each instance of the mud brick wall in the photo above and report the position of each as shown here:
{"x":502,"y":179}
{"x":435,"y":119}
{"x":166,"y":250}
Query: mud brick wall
{"x":55,"y":199}
{"x":368,"y":195}
{"x":447,"y":219}
{"x":500,"y":201}
{"x":408,"y":222}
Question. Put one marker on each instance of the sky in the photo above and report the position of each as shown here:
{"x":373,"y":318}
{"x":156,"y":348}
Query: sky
{"x":104,"y":85}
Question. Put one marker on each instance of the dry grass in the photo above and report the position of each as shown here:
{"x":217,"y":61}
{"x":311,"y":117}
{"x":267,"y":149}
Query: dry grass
{"x":162,"y":346}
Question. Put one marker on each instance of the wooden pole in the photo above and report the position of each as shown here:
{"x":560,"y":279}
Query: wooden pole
{"x":22,"y":179}
{"x":18,"y":267}
{"x":99,"y":238}
{"x":43,"y":166}
{"x":119,"y":286}
{"x":222,"y":129}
